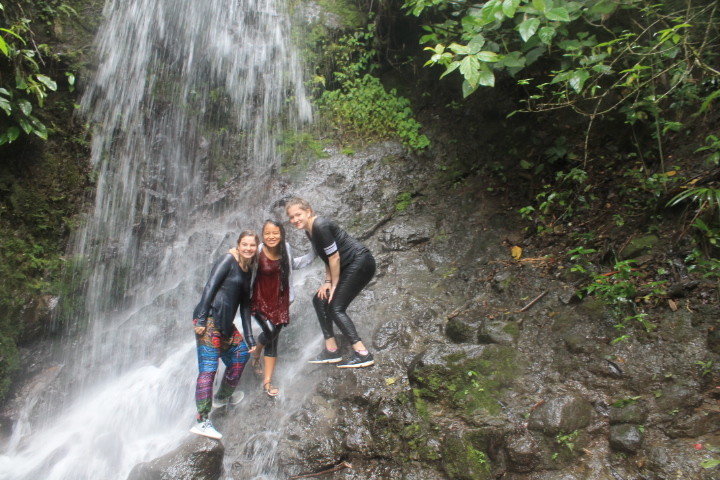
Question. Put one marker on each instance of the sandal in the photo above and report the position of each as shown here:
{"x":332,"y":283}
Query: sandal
{"x":270,"y":389}
{"x":256,"y":365}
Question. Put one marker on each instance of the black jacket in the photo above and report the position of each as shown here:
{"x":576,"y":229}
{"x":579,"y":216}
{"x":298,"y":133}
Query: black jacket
{"x":227,"y":289}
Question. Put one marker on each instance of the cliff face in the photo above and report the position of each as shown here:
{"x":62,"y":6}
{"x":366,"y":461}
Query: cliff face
{"x":486,"y":365}
{"x":490,"y":366}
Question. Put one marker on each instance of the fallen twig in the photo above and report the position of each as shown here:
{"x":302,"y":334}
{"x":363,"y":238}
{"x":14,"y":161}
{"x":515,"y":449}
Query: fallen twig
{"x":533,"y":302}
{"x":340,"y":466}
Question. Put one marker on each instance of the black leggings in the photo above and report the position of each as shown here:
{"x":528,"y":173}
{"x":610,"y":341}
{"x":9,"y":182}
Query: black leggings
{"x":269,"y":336}
{"x":353,"y":279}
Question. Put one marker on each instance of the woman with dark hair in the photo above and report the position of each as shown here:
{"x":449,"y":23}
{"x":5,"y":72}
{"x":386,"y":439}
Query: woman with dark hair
{"x":229,"y":287}
{"x":349,"y":267}
{"x":272,"y":296}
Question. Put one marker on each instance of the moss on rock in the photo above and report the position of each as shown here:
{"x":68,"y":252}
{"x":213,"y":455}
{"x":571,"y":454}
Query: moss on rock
{"x":462,"y":459}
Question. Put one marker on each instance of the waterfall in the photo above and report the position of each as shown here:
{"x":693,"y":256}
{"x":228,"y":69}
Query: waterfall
{"x":187,"y":105}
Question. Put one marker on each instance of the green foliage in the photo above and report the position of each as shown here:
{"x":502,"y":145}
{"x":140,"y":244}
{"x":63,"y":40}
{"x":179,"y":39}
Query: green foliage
{"x":624,"y":290}
{"x":624,"y":402}
{"x":403,"y":201}
{"x":592,"y":49}
{"x":566,"y":197}
{"x":42,"y":184}
{"x":567,"y":440}
{"x":24,"y":83}
{"x":362,"y":109}
{"x":354,"y":102}
{"x":712,"y":145}
{"x":298,"y":148}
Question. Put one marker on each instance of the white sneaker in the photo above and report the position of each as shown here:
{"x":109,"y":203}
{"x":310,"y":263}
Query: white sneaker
{"x":206,"y":429}
{"x":233,"y":399}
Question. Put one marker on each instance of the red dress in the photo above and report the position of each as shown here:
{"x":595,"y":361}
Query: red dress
{"x":267,"y":298}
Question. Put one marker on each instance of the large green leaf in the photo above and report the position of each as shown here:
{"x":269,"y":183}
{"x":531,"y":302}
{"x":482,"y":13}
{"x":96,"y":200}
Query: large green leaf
{"x":469,"y":68}
{"x":487,"y":57}
{"x":25,"y":106}
{"x":539,"y":5}
{"x":546,"y":34}
{"x":486,"y":77}
{"x":475,"y":44}
{"x":450,"y":68}
{"x":39,"y":129}
{"x":5,"y":106}
{"x":47,"y":81}
{"x":559,"y":14}
{"x":528,"y":28}
{"x":3,"y":46}
{"x":25,"y":125}
{"x":9,"y":135}
{"x":578,"y":79}
{"x":509,"y":7}
{"x":468,"y":89}
{"x":458,"y":49}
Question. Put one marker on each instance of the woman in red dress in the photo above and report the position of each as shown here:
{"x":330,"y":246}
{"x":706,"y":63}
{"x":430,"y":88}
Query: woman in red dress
{"x":272,"y":295}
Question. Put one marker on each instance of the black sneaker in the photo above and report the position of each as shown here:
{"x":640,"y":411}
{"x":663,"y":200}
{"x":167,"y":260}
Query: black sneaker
{"x":326,"y":356}
{"x":358,"y":361}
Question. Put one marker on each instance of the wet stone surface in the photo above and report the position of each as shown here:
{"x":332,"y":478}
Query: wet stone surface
{"x":468,"y":384}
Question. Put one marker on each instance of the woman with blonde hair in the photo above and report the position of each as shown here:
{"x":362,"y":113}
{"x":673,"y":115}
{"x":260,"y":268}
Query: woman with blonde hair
{"x":349,"y":267}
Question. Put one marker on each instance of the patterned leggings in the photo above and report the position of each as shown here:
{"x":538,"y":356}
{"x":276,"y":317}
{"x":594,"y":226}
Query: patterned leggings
{"x":212,"y":346}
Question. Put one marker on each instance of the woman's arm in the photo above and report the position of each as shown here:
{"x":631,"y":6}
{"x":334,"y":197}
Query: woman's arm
{"x":246,"y":318}
{"x":217,"y":277}
{"x":334,"y":269}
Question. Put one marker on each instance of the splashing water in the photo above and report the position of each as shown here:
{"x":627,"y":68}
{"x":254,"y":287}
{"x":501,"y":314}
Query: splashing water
{"x":186,"y":93}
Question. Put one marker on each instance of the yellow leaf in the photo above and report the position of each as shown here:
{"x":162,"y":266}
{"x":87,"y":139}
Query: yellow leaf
{"x":390,"y":381}
{"x":671,"y":173}
{"x":516,"y":252}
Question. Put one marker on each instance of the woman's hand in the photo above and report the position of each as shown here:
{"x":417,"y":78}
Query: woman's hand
{"x":252,"y":349}
{"x":199,"y":330}
{"x":325,"y":291}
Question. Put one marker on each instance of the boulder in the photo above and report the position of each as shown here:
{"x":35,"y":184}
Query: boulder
{"x":561,"y":415}
{"x":199,"y":458}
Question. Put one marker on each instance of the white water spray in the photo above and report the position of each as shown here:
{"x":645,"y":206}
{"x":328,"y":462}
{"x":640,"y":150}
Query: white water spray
{"x":187,"y":92}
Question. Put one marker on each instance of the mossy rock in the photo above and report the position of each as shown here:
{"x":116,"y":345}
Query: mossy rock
{"x":638,"y":246}
{"x":469,"y":379}
{"x":463,"y":460}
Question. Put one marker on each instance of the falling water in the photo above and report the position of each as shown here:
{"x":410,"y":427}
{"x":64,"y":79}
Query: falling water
{"x":187,"y":104}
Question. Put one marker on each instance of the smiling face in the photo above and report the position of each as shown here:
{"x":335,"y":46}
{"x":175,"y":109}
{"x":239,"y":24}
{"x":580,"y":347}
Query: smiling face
{"x":299,"y":217}
{"x":247,"y":247}
{"x":271,"y":235}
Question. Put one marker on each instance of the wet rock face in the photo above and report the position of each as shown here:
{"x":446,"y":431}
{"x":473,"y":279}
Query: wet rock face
{"x":625,"y":438}
{"x":523,"y":452}
{"x":198,"y":459}
{"x":468,"y":384}
{"x":564,"y":414}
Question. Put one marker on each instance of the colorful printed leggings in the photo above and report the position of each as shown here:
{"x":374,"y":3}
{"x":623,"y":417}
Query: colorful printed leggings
{"x":212,"y":346}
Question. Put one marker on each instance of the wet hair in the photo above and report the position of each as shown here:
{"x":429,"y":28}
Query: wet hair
{"x":250,"y":233}
{"x":284,"y":257}
{"x":298,"y":202}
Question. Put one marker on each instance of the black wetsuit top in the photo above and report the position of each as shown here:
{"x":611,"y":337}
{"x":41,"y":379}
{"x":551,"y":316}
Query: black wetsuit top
{"x":327,"y":238}
{"x":227,"y":289}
